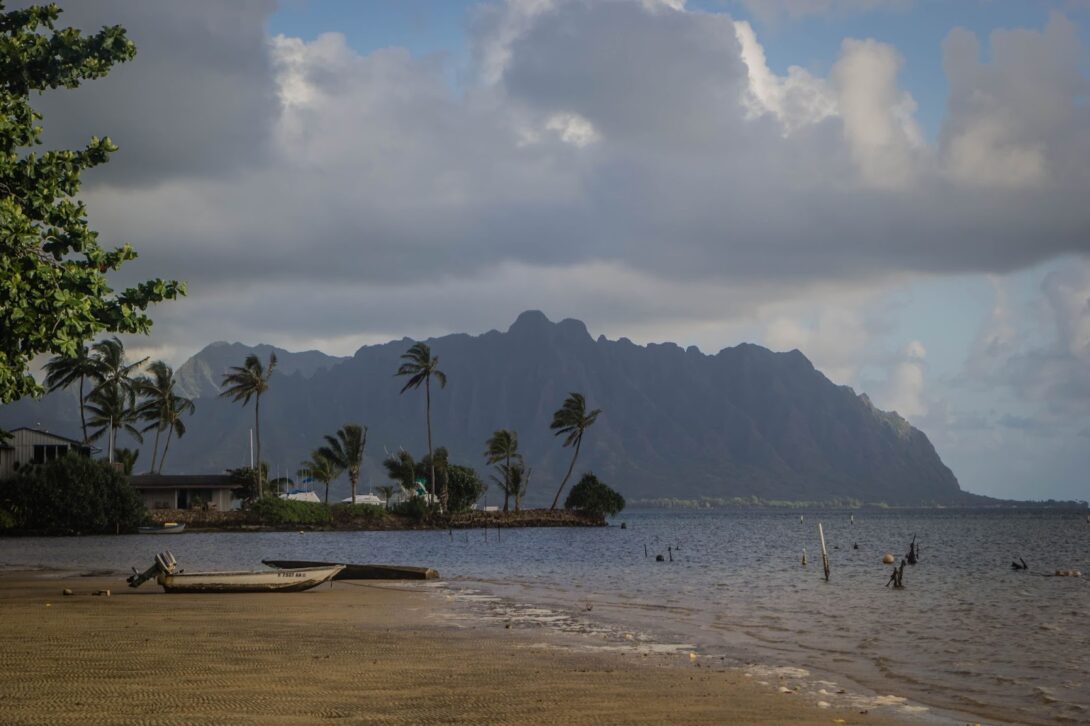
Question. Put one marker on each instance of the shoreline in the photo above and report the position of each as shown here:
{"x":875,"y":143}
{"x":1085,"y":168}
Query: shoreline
{"x":356,"y":650}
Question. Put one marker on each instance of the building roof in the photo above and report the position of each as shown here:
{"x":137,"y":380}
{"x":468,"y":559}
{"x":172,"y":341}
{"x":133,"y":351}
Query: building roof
{"x":183,"y":481}
{"x":47,"y":433}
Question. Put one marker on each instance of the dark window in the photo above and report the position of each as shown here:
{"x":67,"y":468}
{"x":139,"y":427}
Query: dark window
{"x":48,"y":452}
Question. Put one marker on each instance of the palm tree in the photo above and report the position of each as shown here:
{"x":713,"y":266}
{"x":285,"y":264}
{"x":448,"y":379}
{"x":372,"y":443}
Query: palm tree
{"x":387,"y":493}
{"x":62,"y":371}
{"x":113,"y":408}
{"x":321,"y":468}
{"x":572,"y":420}
{"x":519,"y":478}
{"x":401,"y":468}
{"x":250,"y":380}
{"x":162,"y":407}
{"x":115,"y":395}
{"x":345,"y":450}
{"x":420,"y":366}
{"x":127,"y":458}
{"x":173,"y":422}
{"x":503,"y":446}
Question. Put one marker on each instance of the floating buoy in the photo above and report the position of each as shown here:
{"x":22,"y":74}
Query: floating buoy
{"x":888,"y":559}
{"x":804,"y":557}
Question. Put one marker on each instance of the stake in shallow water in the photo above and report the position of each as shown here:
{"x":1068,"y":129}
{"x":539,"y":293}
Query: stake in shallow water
{"x":824,"y":553}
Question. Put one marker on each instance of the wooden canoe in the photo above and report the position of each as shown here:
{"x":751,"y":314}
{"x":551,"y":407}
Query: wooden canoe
{"x":282,"y":580}
{"x":363,"y":572}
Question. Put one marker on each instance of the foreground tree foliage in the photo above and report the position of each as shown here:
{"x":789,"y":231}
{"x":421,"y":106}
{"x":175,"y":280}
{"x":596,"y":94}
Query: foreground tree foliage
{"x":592,"y":497}
{"x":71,"y":495}
{"x":54,"y":293}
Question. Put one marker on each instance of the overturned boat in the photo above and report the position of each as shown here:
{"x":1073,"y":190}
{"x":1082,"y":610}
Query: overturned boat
{"x":166,"y":573}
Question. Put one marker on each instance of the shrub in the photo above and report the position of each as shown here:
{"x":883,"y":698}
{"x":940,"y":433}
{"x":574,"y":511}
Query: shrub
{"x":348,"y":512}
{"x":276,"y":512}
{"x":72,"y":495}
{"x":592,"y":497}
{"x":416,"y":509}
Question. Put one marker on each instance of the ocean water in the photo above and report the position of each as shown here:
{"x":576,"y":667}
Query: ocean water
{"x":967,"y":634}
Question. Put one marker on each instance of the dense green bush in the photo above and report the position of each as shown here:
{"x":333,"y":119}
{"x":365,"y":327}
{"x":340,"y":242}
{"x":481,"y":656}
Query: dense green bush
{"x":415,"y":508}
{"x":342,"y":512}
{"x":71,"y":495}
{"x":592,"y":497}
{"x":276,"y":511}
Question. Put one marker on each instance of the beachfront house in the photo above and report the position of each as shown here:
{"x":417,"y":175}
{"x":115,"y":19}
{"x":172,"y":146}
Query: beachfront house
{"x":32,"y":446}
{"x":186,"y":491}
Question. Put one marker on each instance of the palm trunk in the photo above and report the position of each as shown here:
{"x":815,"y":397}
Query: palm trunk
{"x":525,"y":486}
{"x":155,"y":449}
{"x":113,"y":438}
{"x":506,"y":484}
{"x":578,"y":443}
{"x":82,"y":417}
{"x":163,"y":458}
{"x":257,"y":438}
{"x":431,"y":458}
{"x":353,"y":479}
{"x":327,"y":494}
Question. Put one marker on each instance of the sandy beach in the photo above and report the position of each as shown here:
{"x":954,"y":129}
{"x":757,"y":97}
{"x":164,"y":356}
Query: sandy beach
{"x":360,"y":652}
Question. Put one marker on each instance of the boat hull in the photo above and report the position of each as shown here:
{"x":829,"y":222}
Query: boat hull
{"x":363,"y":572}
{"x":290,"y":580}
{"x":163,"y":529}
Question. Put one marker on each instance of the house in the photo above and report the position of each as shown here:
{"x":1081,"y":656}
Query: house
{"x":31,"y":446}
{"x":186,"y":491}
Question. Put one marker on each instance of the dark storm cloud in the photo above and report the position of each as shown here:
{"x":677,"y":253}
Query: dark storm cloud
{"x":199,"y":99}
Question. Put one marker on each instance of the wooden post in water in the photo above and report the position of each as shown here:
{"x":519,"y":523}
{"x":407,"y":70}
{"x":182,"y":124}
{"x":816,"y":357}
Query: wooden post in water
{"x":824,"y":552}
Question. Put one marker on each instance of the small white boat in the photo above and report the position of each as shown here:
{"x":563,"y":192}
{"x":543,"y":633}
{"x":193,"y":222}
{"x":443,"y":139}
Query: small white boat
{"x":166,"y":572}
{"x":164,"y":528}
{"x":248,"y":581}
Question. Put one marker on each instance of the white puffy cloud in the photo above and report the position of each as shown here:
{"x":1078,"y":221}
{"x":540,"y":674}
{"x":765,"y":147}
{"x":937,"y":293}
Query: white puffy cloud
{"x":1014,"y":121}
{"x":796,"y":100}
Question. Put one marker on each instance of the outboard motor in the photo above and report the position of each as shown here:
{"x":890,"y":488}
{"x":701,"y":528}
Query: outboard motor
{"x":164,"y":563}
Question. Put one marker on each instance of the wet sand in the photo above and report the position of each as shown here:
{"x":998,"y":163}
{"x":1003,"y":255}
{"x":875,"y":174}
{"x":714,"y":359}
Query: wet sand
{"x":359,"y":652}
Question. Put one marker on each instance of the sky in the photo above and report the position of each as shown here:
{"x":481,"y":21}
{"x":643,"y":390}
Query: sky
{"x":897,"y":188}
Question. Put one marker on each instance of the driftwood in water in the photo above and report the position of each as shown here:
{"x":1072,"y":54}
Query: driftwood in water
{"x":896,"y":578}
{"x":913,"y":555}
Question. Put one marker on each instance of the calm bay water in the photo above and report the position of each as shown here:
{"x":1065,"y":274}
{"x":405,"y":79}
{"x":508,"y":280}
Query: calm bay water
{"x":966,"y":634}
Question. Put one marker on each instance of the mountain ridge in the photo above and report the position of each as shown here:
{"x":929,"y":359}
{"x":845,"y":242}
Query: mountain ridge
{"x":676,"y":422}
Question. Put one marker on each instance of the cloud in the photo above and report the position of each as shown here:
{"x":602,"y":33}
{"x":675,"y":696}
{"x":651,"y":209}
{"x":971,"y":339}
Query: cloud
{"x":198,"y":100}
{"x":602,"y":150}
{"x":1014,"y":122}
{"x":773,"y":10}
